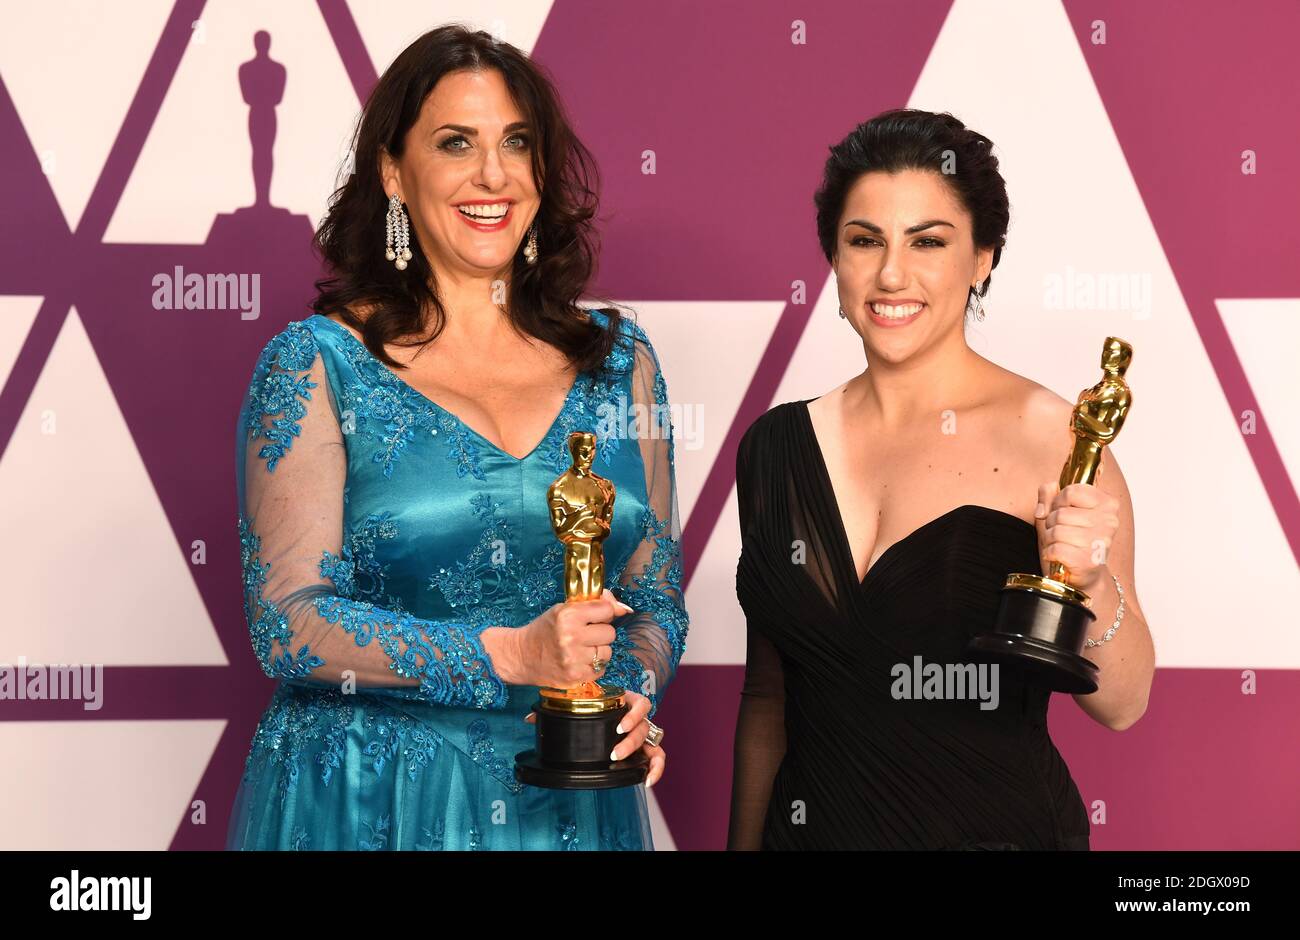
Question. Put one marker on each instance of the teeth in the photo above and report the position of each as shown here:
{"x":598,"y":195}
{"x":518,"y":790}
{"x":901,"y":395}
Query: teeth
{"x":899,"y":312}
{"x":489,"y":213}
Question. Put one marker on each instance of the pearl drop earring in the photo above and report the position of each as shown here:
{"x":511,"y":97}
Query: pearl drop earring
{"x":530,"y":247}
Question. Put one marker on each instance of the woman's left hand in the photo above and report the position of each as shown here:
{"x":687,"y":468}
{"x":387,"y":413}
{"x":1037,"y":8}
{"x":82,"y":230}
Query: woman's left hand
{"x":1076,"y":526}
{"x":634,"y":722}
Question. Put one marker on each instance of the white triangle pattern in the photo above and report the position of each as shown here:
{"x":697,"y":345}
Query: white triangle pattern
{"x":1266,"y":336}
{"x":72,"y":125}
{"x":708,"y":350}
{"x":388,"y":28}
{"x":104,"y":785}
{"x":92,"y":572}
{"x":17,"y":314}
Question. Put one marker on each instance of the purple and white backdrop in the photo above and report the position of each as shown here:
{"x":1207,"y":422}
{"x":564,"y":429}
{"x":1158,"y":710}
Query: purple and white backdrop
{"x":1151,"y":154}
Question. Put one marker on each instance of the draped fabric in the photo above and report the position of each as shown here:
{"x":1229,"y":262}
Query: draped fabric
{"x":380,"y":536}
{"x":827,"y":753}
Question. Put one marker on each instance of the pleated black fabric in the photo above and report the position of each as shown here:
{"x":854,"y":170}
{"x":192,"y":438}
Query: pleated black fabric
{"x":826,"y":756}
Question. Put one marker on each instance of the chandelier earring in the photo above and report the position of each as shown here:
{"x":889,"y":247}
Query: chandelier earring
{"x":398,"y":241}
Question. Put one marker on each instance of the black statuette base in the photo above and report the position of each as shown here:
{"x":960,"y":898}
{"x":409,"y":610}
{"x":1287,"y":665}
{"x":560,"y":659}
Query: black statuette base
{"x":573,"y":750}
{"x":1041,"y":637}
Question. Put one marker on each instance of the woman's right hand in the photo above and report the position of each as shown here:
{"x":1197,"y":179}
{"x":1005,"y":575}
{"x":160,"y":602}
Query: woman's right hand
{"x":556,"y":649}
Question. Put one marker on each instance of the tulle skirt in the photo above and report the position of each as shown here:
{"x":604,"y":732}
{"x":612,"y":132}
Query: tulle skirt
{"x":328,"y":771}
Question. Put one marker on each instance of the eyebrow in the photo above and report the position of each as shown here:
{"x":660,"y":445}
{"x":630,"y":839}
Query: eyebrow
{"x":473,"y":131}
{"x":919,"y":227}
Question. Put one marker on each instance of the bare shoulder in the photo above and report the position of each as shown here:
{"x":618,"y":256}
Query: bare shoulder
{"x":1047,"y":424}
{"x":827,"y":408}
{"x":1038,"y":421}
{"x":1043,"y":410}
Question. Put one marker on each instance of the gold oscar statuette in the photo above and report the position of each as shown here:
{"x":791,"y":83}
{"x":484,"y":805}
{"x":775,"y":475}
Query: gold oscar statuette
{"x":577,"y":727}
{"x":1043,"y":620}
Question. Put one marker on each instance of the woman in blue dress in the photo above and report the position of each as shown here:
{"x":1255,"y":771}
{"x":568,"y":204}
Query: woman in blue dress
{"x":401,"y":577}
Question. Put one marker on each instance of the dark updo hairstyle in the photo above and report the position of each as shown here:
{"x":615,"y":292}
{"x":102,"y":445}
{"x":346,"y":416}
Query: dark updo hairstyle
{"x":909,"y":139}
{"x":542,"y":299}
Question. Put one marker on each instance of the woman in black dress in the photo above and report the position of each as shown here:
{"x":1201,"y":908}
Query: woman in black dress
{"x":879,"y":521}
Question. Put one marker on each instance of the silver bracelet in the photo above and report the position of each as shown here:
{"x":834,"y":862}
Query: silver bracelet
{"x":1119,"y":615}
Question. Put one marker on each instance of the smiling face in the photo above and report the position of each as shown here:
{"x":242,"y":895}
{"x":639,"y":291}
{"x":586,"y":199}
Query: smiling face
{"x":466,"y":174}
{"x":905,"y":260}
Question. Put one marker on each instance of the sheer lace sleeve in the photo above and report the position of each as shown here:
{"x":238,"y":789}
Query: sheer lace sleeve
{"x":291,"y":469}
{"x":760,"y":724}
{"x":651,"y":639}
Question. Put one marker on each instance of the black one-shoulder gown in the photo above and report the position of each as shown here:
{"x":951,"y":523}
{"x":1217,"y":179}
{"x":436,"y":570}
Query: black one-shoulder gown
{"x":828,"y":755}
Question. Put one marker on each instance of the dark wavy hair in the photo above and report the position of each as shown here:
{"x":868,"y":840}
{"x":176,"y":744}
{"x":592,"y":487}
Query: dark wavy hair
{"x":542,"y":299}
{"x":910,"y":139}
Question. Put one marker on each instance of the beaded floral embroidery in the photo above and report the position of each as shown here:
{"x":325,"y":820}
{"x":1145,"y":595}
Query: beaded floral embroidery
{"x":313,"y":728}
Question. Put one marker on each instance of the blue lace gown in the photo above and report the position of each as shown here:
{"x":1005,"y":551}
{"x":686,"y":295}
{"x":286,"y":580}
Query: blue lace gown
{"x":380,"y":535}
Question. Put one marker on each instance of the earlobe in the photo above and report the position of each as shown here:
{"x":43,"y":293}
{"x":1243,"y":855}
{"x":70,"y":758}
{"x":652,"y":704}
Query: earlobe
{"x":390,"y":180}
